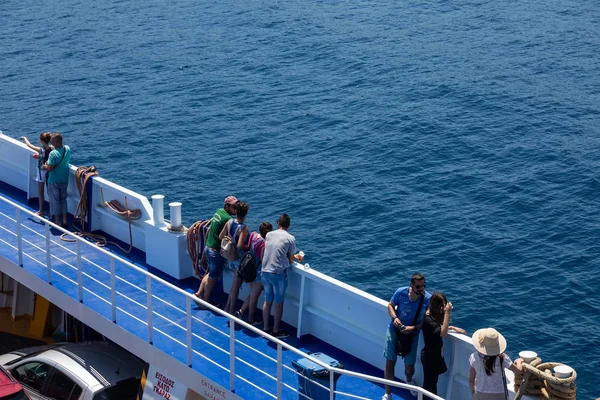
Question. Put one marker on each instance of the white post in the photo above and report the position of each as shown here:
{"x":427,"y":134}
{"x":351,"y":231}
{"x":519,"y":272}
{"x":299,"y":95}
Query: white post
{"x":279,"y":371}
{"x":79,"y":273}
{"x":188,"y":315}
{"x":19,"y":238}
{"x":175,"y":214}
{"x":332,"y":385}
{"x":231,"y":355}
{"x":149,"y":306}
{"x":158,"y":209}
{"x":420,"y":396}
{"x":300,"y":306}
{"x":113,"y":294}
{"x":48,"y":255}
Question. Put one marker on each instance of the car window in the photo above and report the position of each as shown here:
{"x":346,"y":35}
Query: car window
{"x":61,"y":387}
{"x":32,"y":374}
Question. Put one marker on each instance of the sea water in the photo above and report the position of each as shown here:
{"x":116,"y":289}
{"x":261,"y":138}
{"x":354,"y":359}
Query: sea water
{"x":457,"y":139}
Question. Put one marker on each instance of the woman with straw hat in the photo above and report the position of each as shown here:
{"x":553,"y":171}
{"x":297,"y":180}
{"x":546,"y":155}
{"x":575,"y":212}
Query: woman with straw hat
{"x":486,"y":377}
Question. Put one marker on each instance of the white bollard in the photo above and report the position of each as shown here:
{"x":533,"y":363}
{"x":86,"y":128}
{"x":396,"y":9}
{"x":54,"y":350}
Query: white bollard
{"x":175,"y":214}
{"x":158,"y":209}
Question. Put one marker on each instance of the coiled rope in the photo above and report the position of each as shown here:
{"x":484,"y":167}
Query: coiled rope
{"x":537,"y":379}
{"x":196,"y":239}
{"x":82,"y":175}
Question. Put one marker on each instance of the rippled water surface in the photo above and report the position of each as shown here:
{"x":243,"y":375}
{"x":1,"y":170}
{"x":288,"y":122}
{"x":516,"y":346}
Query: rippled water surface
{"x":459,"y":139}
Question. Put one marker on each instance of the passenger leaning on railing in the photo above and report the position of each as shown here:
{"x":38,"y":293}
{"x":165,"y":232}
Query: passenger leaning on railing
{"x":42,"y":155}
{"x":280,"y":249}
{"x":406,"y":308}
{"x":237,"y":230}
{"x":435,"y":326}
{"x":257,"y":249}
{"x":58,"y":178}
{"x":212,"y":254}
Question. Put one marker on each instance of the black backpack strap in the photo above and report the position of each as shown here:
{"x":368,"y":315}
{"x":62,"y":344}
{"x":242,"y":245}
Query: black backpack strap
{"x":501,"y":357}
{"x":418,"y":310}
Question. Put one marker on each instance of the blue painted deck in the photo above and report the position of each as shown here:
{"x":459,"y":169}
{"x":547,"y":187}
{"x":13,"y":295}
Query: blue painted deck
{"x":169,"y":319}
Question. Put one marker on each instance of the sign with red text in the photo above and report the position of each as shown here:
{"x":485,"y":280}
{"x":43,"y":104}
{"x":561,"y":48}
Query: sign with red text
{"x":159,"y":386}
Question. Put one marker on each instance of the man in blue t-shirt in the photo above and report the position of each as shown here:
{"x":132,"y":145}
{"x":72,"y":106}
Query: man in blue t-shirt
{"x":402,"y":308}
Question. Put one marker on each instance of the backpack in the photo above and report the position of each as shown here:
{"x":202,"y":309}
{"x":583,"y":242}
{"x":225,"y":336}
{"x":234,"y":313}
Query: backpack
{"x":228,"y":248}
{"x":247,"y":269}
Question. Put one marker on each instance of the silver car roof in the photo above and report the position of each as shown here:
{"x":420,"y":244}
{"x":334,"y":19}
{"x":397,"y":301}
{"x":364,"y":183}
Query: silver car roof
{"x":93,"y":362}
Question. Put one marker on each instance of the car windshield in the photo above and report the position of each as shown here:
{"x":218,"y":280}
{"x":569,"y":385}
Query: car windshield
{"x":123,"y":390}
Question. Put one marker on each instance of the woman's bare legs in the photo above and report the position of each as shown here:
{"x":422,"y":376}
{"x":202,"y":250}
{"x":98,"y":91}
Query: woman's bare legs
{"x":41,"y":199}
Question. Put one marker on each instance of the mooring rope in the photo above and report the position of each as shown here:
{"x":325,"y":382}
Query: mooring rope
{"x":82,"y":174}
{"x":538,"y":380}
{"x":196,"y":239}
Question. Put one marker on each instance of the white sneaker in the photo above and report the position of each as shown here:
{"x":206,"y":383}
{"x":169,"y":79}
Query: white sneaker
{"x":387,"y":397}
{"x":412,"y":392}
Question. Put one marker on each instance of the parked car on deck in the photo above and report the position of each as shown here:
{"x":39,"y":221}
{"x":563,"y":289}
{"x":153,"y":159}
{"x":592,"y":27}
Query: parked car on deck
{"x":10,"y":389}
{"x":76,"y":371}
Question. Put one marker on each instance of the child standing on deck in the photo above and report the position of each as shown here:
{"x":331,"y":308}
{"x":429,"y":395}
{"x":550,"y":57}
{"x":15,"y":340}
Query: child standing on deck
{"x":42,"y":154}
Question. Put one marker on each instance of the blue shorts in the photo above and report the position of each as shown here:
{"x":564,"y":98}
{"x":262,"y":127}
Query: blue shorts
{"x":216,"y":262}
{"x":275,"y":286}
{"x":389,"y":349}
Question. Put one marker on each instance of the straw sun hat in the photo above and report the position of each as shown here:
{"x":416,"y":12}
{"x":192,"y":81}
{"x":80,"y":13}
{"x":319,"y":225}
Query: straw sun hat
{"x":489,"y":342}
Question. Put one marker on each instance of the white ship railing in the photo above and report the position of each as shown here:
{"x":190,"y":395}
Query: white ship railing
{"x":189,"y":299}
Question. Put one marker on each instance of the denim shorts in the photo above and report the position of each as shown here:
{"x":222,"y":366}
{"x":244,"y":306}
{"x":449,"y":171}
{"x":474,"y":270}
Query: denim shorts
{"x":389,"y":349}
{"x":216,"y":262}
{"x":275,"y":286}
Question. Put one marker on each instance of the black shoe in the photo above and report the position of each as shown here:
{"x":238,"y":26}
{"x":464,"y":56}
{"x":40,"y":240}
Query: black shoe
{"x":280,"y":334}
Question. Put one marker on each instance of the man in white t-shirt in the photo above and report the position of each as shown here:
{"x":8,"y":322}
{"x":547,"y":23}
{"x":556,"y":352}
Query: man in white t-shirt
{"x":279,"y":255}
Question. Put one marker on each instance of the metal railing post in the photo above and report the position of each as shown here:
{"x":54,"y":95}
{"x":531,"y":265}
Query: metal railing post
{"x":188,"y":317}
{"x":231,"y":355}
{"x":19,"y":238}
{"x":300,"y":306}
{"x":420,"y":396}
{"x":149,"y":306}
{"x":48,"y":255}
{"x":113,"y":292}
{"x":331,"y":385}
{"x":79,"y":273}
{"x":279,"y":371}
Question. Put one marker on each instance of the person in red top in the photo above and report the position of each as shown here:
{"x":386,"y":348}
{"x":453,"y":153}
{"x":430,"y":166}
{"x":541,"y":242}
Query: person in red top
{"x":257,"y":248}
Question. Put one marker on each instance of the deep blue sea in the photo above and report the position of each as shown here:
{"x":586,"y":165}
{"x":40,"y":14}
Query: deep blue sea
{"x":458,"y":139}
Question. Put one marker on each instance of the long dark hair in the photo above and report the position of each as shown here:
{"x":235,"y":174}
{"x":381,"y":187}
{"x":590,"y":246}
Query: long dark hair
{"x":489,"y":362}
{"x":436,"y":307}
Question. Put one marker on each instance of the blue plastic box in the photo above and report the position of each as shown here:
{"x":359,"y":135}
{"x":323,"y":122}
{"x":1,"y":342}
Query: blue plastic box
{"x":312,"y":373}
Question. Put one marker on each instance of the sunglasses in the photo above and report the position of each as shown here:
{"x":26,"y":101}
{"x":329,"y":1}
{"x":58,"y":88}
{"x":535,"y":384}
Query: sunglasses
{"x":419,"y":287}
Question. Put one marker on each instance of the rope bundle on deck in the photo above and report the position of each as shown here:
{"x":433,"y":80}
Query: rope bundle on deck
{"x":196,"y":240}
{"x":82,"y":175}
{"x":538,"y":380}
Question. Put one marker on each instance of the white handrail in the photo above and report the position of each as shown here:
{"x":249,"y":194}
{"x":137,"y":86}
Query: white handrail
{"x":189,"y":299}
